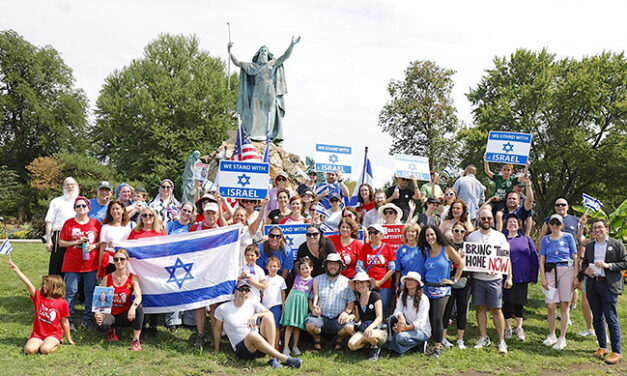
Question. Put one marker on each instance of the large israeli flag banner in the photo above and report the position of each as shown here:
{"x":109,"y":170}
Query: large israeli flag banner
{"x":330,"y":158}
{"x":508,"y":147}
{"x":185,"y":271}
{"x":244,"y":179}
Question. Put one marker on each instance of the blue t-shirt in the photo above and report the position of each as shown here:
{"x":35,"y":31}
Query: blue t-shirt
{"x":571,"y":225}
{"x":176,"y":227}
{"x":96,"y":210}
{"x":410,"y":259}
{"x":286,"y":259}
{"x":560,"y":250}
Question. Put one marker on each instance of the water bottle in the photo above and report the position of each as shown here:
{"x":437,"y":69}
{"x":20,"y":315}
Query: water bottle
{"x":84,"y":245}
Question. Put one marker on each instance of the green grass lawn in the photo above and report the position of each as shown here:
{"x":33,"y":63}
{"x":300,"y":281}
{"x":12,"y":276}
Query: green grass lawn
{"x":171,"y":354}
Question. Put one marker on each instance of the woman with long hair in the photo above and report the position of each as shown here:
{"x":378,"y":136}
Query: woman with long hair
{"x":283,"y":210}
{"x":115,"y":226}
{"x":276,"y":246}
{"x":164,"y":203}
{"x":347,"y":245}
{"x":458,"y":212}
{"x":450,"y":196}
{"x":368,"y":313}
{"x":409,"y":324}
{"x":366,"y":200}
{"x":316,"y":247}
{"x":296,"y":215}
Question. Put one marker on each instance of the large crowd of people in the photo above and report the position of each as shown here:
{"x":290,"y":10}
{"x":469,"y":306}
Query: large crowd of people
{"x":352,"y":288}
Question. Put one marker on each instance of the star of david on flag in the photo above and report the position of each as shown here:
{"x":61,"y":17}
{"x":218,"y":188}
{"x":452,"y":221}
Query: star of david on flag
{"x":243,"y":179}
{"x":187,"y":268}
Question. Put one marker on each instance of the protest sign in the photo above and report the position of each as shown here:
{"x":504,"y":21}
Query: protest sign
{"x":330,"y":158}
{"x":487,"y":258}
{"x":294,"y":234}
{"x":407,"y":166}
{"x":201,"y":170}
{"x":508,"y":147}
{"x":244,"y":179}
{"x":103,"y":299}
{"x":393,"y":236}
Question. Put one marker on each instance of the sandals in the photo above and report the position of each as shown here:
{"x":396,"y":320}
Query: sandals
{"x":317,"y":346}
{"x":338,"y":343}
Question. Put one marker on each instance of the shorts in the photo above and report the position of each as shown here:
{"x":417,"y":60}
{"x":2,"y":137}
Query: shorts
{"x":327,"y":325}
{"x":276,"y":311}
{"x":565,"y":276}
{"x":242,"y":352}
{"x":39,"y":339}
{"x":488,"y":293}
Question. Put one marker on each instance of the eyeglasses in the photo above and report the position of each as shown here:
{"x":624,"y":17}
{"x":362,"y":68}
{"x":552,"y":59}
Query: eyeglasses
{"x":119,"y":259}
{"x":554,"y":223}
{"x":459,"y":231}
{"x":148,"y":215}
{"x":166,"y":187}
{"x":389,"y":212}
{"x":80,"y":206}
{"x":280,"y":178}
{"x":274,"y":236}
{"x":561,"y":204}
{"x":244,"y":289}
{"x":312,"y":234}
{"x":373,"y":232}
{"x":486,"y":218}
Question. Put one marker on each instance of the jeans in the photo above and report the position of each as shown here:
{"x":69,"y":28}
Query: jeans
{"x":385,"y":299}
{"x":603,"y":304}
{"x":71,"y":288}
{"x":404,"y":341}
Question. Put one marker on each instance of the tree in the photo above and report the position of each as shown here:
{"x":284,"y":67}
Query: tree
{"x":577,"y":113}
{"x":42,"y":113}
{"x":152,"y":114}
{"x":420,"y":116}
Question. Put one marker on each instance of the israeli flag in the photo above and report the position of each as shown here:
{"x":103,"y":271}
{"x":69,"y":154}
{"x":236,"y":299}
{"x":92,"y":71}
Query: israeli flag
{"x":364,"y":178}
{"x":508,"y":147}
{"x":449,"y":170}
{"x":6,"y":248}
{"x":591,"y":202}
{"x":185,"y":271}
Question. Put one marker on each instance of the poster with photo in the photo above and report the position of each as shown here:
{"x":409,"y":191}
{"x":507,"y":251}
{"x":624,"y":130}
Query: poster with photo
{"x":103,"y":299}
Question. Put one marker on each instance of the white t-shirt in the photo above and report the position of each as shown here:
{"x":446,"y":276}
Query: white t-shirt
{"x":114,"y":233}
{"x":272,"y":293}
{"x":59,"y":211}
{"x":255,"y":273}
{"x":494,"y":238}
{"x":235,"y":319}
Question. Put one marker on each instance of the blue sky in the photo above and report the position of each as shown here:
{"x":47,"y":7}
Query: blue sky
{"x":338,"y":74}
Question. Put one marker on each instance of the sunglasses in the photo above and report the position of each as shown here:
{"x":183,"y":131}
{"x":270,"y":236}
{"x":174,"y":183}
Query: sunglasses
{"x":166,"y":187}
{"x":389,"y":212}
{"x":312,"y":234}
{"x":274,"y":236}
{"x":280,"y":178}
{"x":561,"y":204}
{"x":80,"y":206}
{"x":486,"y":218}
{"x":449,"y":194}
{"x":373,"y":232}
{"x":334,"y":200}
{"x":245,"y":201}
{"x":554,"y":223}
{"x":459,"y":231}
{"x":146,"y":215}
{"x":119,"y":259}
{"x":244,"y":289}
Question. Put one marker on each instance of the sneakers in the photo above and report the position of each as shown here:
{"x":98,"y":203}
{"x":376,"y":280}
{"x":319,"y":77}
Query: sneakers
{"x":293,"y":362}
{"x":137,"y":346}
{"x":274,"y":363}
{"x":482,"y":342}
{"x":508,"y":333}
{"x":614,"y":358}
{"x":600,"y":353}
{"x":296,"y":351}
{"x":502,"y":347}
{"x":520,"y":334}
{"x":200,"y":341}
{"x":550,"y":340}
{"x":172,"y":328}
{"x":560,"y":344}
{"x":587,"y":333}
{"x":437,"y":351}
{"x":373,"y":355}
{"x":286,"y":351}
{"x":460,"y":344}
{"x":573,"y":307}
{"x":111,"y":336}
{"x":446,"y":343}
{"x":570,"y":322}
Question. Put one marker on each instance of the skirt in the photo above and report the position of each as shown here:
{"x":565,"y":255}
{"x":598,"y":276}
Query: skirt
{"x":296,"y":309}
{"x":517,"y":294}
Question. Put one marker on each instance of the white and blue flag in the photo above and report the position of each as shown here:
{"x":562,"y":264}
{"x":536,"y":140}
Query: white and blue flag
{"x":449,"y":170}
{"x":591,"y":202}
{"x":185,"y":271}
{"x":508,"y":147}
{"x":330,"y":158}
{"x":364,"y":178}
{"x":5,"y":248}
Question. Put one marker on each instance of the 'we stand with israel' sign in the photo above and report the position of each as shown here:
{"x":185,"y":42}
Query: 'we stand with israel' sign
{"x":244,"y":179}
{"x":508,"y":147}
{"x":330,"y":158}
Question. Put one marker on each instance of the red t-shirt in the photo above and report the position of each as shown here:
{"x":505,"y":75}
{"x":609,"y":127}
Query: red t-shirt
{"x":364,"y":208}
{"x":144,"y":234}
{"x":48,"y":314}
{"x":121,"y":294}
{"x":351,"y":250}
{"x":73,"y":260}
{"x":202,"y":227}
{"x":380,"y":266}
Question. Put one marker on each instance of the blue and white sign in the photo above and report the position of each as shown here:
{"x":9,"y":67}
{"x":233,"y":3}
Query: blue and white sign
{"x":407,"y":166}
{"x":244,"y":179}
{"x":294,"y":234}
{"x":508,"y":147}
{"x":330,"y":158}
{"x":591,"y":202}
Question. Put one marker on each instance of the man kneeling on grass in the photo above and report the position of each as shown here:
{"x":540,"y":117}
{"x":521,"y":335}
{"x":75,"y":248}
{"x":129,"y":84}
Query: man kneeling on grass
{"x":241,"y":319}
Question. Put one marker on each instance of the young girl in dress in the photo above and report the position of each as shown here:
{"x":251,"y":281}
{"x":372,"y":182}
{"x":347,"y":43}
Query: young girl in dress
{"x":51,"y":313}
{"x":296,"y":306}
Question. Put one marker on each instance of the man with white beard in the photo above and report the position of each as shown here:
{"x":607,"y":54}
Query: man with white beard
{"x":60,"y":210}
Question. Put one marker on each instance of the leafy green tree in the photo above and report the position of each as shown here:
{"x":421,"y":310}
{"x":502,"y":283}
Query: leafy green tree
{"x":420,"y":115}
{"x":577,"y":113}
{"x":152,"y":114}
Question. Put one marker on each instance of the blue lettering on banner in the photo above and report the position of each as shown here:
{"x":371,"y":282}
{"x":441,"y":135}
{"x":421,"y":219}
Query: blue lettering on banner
{"x":288,"y":229}
{"x":333,"y":149}
{"x":326,"y":167}
{"x":259,"y":194}
{"x":504,"y":158}
{"x":233,"y":166}
{"x":518,"y":137}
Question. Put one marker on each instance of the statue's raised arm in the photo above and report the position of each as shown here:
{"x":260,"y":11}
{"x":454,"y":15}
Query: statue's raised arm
{"x":288,"y":52}
{"x":233,"y":58}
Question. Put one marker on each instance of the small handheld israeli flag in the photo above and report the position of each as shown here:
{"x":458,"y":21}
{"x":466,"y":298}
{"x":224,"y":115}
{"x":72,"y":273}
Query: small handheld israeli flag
{"x":6,"y":248}
{"x":449,"y":170}
{"x":591,"y":202}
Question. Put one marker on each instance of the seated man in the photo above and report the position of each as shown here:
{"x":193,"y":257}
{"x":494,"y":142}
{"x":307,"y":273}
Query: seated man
{"x":332,"y":303}
{"x":240,"y":318}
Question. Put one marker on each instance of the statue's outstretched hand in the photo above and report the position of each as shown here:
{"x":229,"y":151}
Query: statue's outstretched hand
{"x":295,"y":40}
{"x":229,"y":46}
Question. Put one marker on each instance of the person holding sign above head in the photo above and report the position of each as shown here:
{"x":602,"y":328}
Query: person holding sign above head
{"x":558,"y":268}
{"x":487,"y":288}
{"x":503,"y":184}
{"x":438,"y":257}
{"x":333,"y":186}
